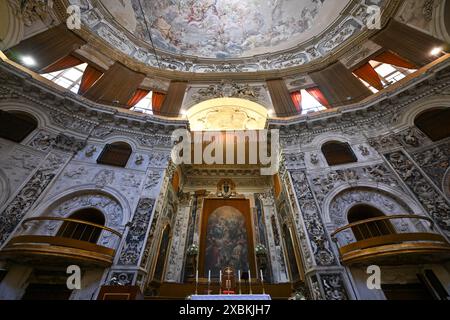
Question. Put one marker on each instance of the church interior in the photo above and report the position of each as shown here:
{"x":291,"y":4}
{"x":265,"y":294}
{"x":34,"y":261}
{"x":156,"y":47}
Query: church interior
{"x":95,"y":204}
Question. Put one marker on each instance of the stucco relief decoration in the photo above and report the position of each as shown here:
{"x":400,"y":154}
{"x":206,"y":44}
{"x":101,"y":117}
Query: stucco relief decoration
{"x":334,"y":287}
{"x":418,"y":13}
{"x":436,"y":205}
{"x":435,"y":161}
{"x":26,"y":198}
{"x":110,"y":207}
{"x":104,"y":178}
{"x":227,"y":88}
{"x":324,"y":183}
{"x":35,"y":10}
{"x":316,"y":231}
{"x":45,"y":141}
{"x":199,"y":36}
{"x":136,"y":235}
{"x":376,"y":198}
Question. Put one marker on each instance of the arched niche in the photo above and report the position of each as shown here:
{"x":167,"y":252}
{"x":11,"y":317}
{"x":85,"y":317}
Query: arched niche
{"x":227,"y":114}
{"x":82,"y":232}
{"x":434,"y":123}
{"x":72,"y":202}
{"x":338,"y":153}
{"x":16,"y":126}
{"x":115,"y":154}
{"x":380,"y":200}
{"x":361,"y":212}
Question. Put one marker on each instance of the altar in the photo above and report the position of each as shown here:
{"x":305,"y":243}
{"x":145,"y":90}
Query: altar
{"x":225,"y":297}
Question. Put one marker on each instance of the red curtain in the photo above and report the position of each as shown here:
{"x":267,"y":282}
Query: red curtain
{"x":157,"y":101}
{"x":318,"y":95}
{"x":63,"y":64}
{"x":369,"y":75}
{"x":394,"y":59}
{"x":296,"y":97}
{"x":137,"y":97}
{"x":90,"y":76}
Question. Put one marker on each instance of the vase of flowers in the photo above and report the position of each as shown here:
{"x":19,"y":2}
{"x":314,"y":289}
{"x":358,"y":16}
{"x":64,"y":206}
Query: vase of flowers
{"x":261,"y":256}
{"x":192,"y":250}
{"x":260,"y":250}
{"x":191,"y":255}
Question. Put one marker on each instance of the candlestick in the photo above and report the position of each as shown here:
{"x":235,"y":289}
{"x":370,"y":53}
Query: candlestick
{"x":209,"y":281}
{"x":239,"y":278}
{"x":220,"y":282}
{"x":196,"y":282}
{"x":262,"y":281}
{"x":250,"y":281}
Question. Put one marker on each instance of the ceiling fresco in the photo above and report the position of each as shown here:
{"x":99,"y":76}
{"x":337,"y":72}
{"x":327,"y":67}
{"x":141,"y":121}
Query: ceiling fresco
{"x":206,"y":36}
{"x":234,"y":28}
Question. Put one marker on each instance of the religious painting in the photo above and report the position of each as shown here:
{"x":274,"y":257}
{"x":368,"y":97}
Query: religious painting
{"x":231,"y":28}
{"x":226,"y":241}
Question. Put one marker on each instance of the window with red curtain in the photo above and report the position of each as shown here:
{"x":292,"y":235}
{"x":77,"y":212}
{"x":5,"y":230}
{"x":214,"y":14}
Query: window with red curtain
{"x":63,"y":64}
{"x":137,"y":97}
{"x":369,"y":75}
{"x":90,"y":76}
{"x":157,"y":101}
{"x":319,"y":96}
{"x":394,"y":59}
{"x":296,"y":97}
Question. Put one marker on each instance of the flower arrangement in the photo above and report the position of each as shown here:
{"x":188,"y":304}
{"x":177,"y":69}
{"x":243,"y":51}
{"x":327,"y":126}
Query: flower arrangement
{"x":260,"y":250}
{"x":192,"y":250}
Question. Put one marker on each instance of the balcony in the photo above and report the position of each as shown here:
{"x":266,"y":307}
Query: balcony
{"x":391,"y":240}
{"x":74,"y":243}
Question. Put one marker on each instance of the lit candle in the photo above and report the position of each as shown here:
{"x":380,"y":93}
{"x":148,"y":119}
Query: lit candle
{"x":209,"y":276}
{"x":262,"y":277}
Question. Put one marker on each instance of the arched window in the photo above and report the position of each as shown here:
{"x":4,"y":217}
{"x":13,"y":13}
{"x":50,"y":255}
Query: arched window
{"x":16,"y":126}
{"x":83,"y":232}
{"x":434,"y":123}
{"x":338,"y":153}
{"x":370,"y":229}
{"x":115,"y":154}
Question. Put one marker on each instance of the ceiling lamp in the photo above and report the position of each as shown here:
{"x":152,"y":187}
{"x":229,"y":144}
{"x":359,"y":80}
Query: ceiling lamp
{"x":28,"y":61}
{"x":437,"y":51}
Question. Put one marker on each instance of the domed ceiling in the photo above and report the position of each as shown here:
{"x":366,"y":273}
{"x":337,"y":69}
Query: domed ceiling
{"x":226,"y":35}
{"x":233,"y":28}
